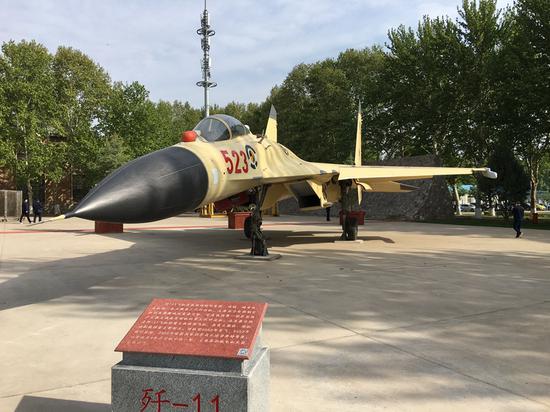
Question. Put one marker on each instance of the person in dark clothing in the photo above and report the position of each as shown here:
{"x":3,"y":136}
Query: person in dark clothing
{"x":25,"y":211}
{"x":517,"y":212}
{"x":37,"y":210}
{"x":328,"y":213}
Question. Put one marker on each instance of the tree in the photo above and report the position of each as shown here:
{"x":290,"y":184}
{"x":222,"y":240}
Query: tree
{"x":544,"y":181}
{"x":28,"y":86}
{"x":184,"y":117}
{"x":317,"y":106}
{"x":130,"y":115}
{"x":423,"y":108}
{"x":481,"y":31}
{"x":422,"y":92}
{"x":528,"y":97}
{"x":112,"y":153}
{"x":512,"y":183}
{"x":81,"y":90}
{"x":332,"y":128}
{"x":363,"y":70}
{"x":169,"y":120}
{"x":256,"y":115}
{"x":292,"y":102}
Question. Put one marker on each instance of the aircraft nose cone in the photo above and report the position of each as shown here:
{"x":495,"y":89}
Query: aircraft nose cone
{"x":152,"y":187}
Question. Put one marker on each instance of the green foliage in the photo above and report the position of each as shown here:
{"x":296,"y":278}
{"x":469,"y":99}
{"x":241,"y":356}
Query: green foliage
{"x":527,"y":62}
{"x":512,"y":184}
{"x":81,"y":91}
{"x":317,"y":105}
{"x":60,"y":114}
{"x":145,"y":126}
{"x":461,"y":90}
{"x":170,"y":120}
{"x":28,"y":114}
{"x":545,"y":174}
{"x":256,"y":115}
{"x":112,"y":154}
{"x":481,"y":32}
{"x":421,"y":91}
{"x":130,"y":114}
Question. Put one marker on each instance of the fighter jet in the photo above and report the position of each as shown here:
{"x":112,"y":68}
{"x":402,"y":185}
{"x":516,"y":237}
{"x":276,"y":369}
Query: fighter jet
{"x":220,"y":161}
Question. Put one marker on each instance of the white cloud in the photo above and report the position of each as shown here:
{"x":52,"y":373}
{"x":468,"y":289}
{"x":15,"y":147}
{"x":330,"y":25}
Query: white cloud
{"x":256,"y":45}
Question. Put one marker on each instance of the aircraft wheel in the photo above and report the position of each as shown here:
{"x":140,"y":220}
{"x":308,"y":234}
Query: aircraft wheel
{"x":248,"y":227}
{"x":350,"y":228}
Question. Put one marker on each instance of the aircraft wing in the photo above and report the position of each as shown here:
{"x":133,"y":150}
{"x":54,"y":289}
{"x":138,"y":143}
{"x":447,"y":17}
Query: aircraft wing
{"x":391,"y":173}
{"x":376,"y":178}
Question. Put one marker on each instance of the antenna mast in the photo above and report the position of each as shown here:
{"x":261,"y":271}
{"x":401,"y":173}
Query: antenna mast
{"x":206,"y":32}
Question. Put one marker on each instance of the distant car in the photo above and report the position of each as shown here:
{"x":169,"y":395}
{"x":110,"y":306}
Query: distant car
{"x":541,"y":207}
{"x":467,"y":208}
{"x":501,"y":208}
{"x":482,"y":206}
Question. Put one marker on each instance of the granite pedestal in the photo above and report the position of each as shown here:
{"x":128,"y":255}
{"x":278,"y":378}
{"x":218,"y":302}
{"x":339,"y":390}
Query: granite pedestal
{"x":208,"y":380}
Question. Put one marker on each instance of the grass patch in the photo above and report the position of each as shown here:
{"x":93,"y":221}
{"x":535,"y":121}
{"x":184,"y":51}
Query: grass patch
{"x":543,"y":224}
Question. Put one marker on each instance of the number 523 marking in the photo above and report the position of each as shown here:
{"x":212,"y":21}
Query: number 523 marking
{"x":233,"y":161}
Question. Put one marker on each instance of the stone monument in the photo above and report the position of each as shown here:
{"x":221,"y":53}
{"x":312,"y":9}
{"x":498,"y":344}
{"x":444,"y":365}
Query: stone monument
{"x":193,"y":355}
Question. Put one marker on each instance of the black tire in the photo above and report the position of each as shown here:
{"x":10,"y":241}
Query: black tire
{"x":259,"y":248}
{"x":248,"y":227}
{"x":351,"y":228}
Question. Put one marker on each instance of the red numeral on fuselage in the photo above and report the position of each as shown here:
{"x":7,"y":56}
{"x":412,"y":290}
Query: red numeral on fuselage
{"x":233,"y":161}
{"x":245,"y":161}
{"x":236,"y":157}
{"x":228,"y":161}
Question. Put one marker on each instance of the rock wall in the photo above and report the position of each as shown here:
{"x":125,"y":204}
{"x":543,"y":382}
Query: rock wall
{"x":431,"y":201}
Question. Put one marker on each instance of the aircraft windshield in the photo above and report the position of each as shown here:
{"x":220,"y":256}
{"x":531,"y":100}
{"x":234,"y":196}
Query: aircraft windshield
{"x":220,"y":127}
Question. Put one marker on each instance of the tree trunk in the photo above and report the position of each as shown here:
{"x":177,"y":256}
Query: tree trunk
{"x":29,"y":193}
{"x":457,"y":200}
{"x":492,"y":211}
{"x":534,"y":180}
{"x":534,"y":184}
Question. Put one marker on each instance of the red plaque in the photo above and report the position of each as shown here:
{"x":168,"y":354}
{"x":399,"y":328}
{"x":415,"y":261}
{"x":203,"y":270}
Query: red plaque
{"x":196,"y":327}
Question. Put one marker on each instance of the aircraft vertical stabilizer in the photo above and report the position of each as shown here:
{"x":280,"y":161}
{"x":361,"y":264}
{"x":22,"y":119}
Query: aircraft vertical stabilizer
{"x":358,"y":150}
{"x":271,"y":128}
{"x":358,"y":137}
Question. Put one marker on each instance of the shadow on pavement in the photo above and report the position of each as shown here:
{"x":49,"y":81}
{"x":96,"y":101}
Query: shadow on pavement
{"x":37,"y":404}
{"x":54,"y":279}
{"x":458,"y":315}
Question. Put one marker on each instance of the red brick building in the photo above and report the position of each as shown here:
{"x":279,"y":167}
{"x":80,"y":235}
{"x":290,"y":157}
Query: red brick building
{"x":65,"y":193}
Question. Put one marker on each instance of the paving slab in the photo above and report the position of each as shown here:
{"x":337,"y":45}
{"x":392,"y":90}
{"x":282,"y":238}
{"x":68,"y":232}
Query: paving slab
{"x":417,"y":317}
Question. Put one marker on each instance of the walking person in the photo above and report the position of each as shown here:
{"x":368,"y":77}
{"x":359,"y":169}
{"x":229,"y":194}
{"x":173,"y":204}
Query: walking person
{"x":37,"y":209}
{"x":25,"y":211}
{"x":518,"y":213}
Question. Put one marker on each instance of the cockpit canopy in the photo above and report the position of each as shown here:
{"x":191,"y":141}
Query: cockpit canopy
{"x":220,"y":127}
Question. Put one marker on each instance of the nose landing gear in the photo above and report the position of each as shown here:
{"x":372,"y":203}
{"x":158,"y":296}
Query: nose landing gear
{"x":253,"y":229}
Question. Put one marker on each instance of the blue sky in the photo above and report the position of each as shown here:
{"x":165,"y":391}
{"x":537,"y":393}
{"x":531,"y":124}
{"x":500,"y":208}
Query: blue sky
{"x":255,"y":46}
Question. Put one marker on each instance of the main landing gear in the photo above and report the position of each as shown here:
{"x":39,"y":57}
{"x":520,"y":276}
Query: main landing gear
{"x":253,"y":227}
{"x":349,"y":223}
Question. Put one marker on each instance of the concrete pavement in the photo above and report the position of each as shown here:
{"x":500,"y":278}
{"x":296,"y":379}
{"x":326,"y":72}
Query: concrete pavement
{"x":418,"y":317}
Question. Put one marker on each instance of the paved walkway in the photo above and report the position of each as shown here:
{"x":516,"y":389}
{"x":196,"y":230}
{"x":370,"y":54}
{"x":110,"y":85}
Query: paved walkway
{"x":418,"y":317}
